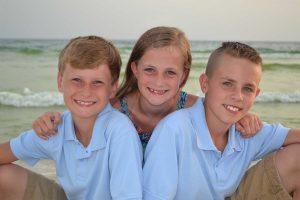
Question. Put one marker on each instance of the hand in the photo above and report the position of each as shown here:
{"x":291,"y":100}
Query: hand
{"x":46,"y":125}
{"x":249,"y":125}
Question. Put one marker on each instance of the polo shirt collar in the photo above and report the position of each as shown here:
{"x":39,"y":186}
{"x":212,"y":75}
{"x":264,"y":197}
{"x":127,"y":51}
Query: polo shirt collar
{"x":204,"y":140}
{"x":98,"y":140}
{"x":234,"y":141}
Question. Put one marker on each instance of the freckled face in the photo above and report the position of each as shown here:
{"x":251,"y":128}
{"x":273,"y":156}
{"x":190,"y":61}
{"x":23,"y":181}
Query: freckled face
{"x":159,"y":73}
{"x":86,"y":91}
{"x":231,"y":89}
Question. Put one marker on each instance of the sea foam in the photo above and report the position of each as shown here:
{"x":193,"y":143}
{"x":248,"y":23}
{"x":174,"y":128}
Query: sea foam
{"x":28,"y":99}
{"x":44,"y":99}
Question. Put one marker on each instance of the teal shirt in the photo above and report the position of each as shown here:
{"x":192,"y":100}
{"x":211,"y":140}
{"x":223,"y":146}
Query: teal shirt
{"x":145,"y":136}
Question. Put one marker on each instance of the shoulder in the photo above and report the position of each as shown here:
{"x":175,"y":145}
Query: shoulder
{"x":276,"y":131}
{"x":116,"y":116}
{"x":269,"y":135}
{"x":185,"y":119}
{"x":115,"y":102}
{"x":118,"y":122}
{"x":177,"y":115}
{"x":175,"y":122}
{"x":119,"y":129}
{"x":27,"y":137}
{"x":269,"y":130}
{"x":66,"y":123}
{"x":191,"y":100}
{"x":181,"y":116}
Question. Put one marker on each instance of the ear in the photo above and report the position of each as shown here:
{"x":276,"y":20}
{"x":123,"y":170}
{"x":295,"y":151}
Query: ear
{"x":184,"y":74}
{"x":134,"y":68}
{"x":114,"y":90}
{"x":59,"y":82}
{"x":257,"y":92}
{"x":203,"y":80}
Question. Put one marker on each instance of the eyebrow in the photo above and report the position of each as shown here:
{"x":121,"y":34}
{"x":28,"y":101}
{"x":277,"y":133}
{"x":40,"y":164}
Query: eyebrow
{"x":146,"y":65}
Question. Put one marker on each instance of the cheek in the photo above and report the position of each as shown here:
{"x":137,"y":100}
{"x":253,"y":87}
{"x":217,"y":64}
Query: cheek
{"x":179,"y":81}
{"x":174,"y":83}
{"x":183,"y":77}
{"x":250,"y":100}
{"x":143,"y":79}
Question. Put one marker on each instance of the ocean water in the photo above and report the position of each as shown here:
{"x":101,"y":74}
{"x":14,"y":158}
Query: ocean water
{"x":28,"y":71}
{"x":29,"y":68}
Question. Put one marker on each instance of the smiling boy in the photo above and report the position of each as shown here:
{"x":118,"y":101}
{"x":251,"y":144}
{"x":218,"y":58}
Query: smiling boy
{"x":97,"y":153}
{"x":196,"y":153}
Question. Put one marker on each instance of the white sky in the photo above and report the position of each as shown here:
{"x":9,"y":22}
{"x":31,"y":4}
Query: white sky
{"x":274,"y":20}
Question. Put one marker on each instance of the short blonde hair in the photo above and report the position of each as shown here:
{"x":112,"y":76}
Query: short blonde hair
{"x":90,"y":52}
{"x":234,"y":49}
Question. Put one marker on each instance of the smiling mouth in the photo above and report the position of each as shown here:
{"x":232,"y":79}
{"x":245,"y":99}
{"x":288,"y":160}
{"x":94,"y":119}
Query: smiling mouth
{"x":84,"y":103}
{"x":158,"y":92}
{"x":232,"y":108}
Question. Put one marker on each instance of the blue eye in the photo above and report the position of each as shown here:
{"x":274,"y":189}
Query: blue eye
{"x":149,"y":70}
{"x":227,"y":84}
{"x":171,"y":73}
{"x":76,"y":79}
{"x":249,"y":89}
{"x":97,"y":82}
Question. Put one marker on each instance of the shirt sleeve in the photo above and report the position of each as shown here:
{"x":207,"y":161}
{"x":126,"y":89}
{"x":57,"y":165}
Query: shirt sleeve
{"x":270,"y":138}
{"x":160,"y":172}
{"x":125,"y":160}
{"x":29,"y":148}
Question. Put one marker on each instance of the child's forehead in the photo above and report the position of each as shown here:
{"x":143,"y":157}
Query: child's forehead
{"x":168,"y":53}
{"x":84,"y":67}
{"x":240,"y":62}
{"x":231,"y":66}
{"x":98,"y":69}
{"x":169,"y":48}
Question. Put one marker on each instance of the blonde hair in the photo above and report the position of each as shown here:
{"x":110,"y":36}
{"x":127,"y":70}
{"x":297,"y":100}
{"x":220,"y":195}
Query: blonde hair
{"x":89,"y":52}
{"x":157,"y":37}
{"x":234,"y":49}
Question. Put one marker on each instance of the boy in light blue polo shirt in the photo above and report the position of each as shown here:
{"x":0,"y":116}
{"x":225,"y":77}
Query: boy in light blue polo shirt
{"x":97,"y":152}
{"x":196,"y":153}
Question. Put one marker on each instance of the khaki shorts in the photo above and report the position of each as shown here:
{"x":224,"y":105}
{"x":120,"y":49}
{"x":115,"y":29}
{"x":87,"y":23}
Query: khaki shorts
{"x":40,"y":187}
{"x":261,"y":182}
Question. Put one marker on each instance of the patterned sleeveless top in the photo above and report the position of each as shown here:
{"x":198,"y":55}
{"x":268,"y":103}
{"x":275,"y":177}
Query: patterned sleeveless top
{"x":145,"y":136}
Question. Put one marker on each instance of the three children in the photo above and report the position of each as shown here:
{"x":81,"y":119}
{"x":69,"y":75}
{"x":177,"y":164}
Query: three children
{"x":193,"y":153}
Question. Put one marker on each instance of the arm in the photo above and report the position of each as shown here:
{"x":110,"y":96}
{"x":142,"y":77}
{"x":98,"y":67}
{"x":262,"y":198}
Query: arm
{"x":6,"y":154}
{"x":293,"y":137}
{"x":249,"y":125}
{"x":46,"y":125}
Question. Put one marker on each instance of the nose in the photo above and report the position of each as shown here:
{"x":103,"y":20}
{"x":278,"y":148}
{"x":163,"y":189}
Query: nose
{"x":237,"y":94}
{"x":160,"y":80}
{"x":86,"y":91}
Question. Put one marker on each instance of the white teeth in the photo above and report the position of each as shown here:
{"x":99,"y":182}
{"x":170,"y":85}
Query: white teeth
{"x":84,"y":103}
{"x":157,"y":91}
{"x":232,"y":108}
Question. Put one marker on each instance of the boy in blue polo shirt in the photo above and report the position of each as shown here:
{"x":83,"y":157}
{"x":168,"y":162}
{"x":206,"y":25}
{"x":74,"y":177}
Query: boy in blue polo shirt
{"x":196,"y":153}
{"x":97,"y":153}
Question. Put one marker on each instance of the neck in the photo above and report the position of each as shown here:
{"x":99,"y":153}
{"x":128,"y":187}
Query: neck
{"x":84,"y":130}
{"x":156,"y":110}
{"x":146,"y":116}
{"x":218,"y":131}
{"x":219,"y":140}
